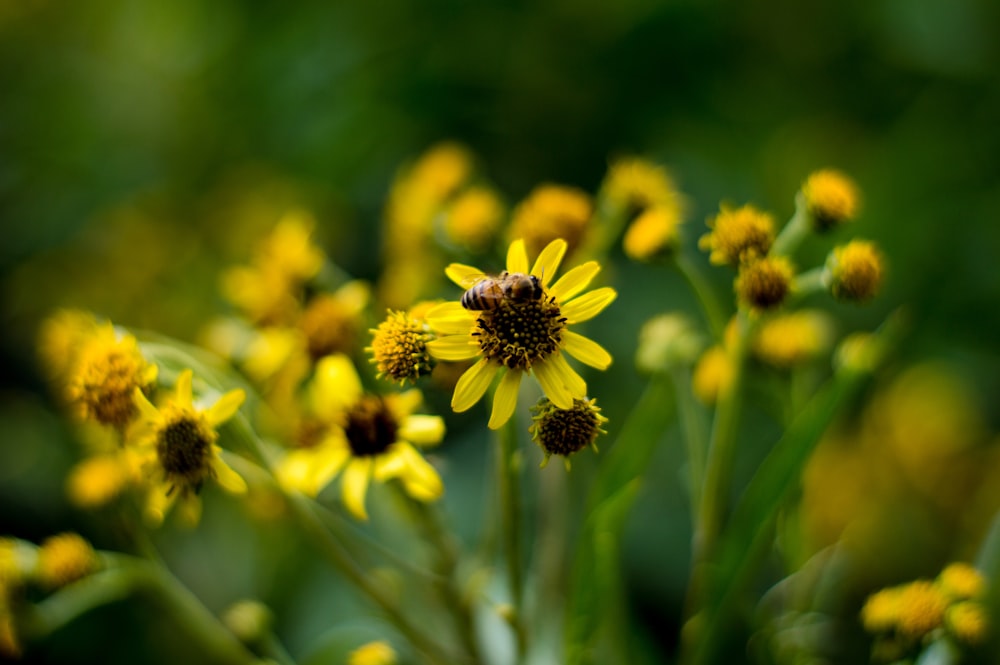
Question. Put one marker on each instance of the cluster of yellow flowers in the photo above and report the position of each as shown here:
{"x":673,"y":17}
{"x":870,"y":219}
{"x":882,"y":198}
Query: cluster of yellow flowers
{"x":905,"y":618}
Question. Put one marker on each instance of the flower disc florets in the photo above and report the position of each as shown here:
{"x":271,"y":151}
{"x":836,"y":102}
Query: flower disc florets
{"x":831,"y":199}
{"x":370,"y":428}
{"x":184,"y":449}
{"x":399,"y":348}
{"x":765,"y":283}
{"x":566,"y":431}
{"x":516,"y":334}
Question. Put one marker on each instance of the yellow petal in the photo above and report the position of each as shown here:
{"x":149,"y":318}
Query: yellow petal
{"x":574,"y":382}
{"x":505,"y":399}
{"x":585,"y":350}
{"x":588,"y":305}
{"x":355,"y":485}
{"x":190,"y":509}
{"x":463,"y":275}
{"x":354,"y":296}
{"x":228,"y":479}
{"x":551,"y":381}
{"x":183,"y":389}
{"x":446,"y":310}
{"x":463,"y":325}
{"x":327,"y":463}
{"x":517,"y":257}
{"x":453,"y":347}
{"x":422,"y":430}
{"x":225,"y":407}
{"x":420,"y":478}
{"x":158,"y":503}
{"x":147,"y":412}
{"x":401,"y":405}
{"x":575,"y":280}
{"x":335,"y":386}
{"x":472,"y":384}
{"x":547,"y":263}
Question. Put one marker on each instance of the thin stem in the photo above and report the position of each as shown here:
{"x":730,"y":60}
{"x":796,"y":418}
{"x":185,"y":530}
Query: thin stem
{"x":795,"y":231}
{"x":812,"y":281}
{"x":695,"y":435}
{"x":508,"y":470}
{"x":709,"y":302}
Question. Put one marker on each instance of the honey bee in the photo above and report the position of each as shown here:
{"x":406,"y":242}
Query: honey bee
{"x":491,"y":291}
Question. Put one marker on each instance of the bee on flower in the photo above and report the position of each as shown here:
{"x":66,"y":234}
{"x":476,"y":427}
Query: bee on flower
{"x":527,"y":336}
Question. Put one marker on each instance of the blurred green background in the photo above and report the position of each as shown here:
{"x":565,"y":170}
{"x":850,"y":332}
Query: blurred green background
{"x":143,"y":145}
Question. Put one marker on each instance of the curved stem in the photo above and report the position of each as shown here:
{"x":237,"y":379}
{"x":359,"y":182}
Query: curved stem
{"x":794,"y":232}
{"x":695,"y":435}
{"x":709,"y":302}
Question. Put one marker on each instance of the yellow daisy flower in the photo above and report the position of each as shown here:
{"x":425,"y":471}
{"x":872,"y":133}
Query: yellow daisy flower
{"x":177,"y":445}
{"x":522,"y":336}
{"x":368,"y":436}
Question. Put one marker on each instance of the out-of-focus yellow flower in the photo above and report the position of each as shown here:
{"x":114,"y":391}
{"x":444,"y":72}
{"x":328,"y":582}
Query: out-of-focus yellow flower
{"x":399,"y":347}
{"x":65,"y":558}
{"x":791,"y":339}
{"x":517,"y":338}
{"x":960,"y":581}
{"x":765,"y":283}
{"x":473,"y":218}
{"x":177,"y":446}
{"x":566,"y":431}
{"x":855,"y":271}
{"x":369,"y":436}
{"x":653,"y":234}
{"x":249,"y":620}
{"x":831,"y":199}
{"x":713,"y":374}
{"x":98,"y":480}
{"x":881,"y":611}
{"x":633,"y":182}
{"x":551,"y":212}
{"x":921,"y":609}
{"x":667,"y":341}
{"x":289,"y":250}
{"x":738,"y":235}
{"x":60,"y":338}
{"x":968,"y":621}
{"x":108,"y":370}
{"x":331,"y":322}
{"x":442,"y":169}
{"x":373,"y":653}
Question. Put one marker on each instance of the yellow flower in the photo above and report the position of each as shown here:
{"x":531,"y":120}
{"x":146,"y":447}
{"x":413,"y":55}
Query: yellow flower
{"x":368,"y":436}
{"x":668,"y":341}
{"x":373,"y":653}
{"x":792,"y":339}
{"x":633,"y":182}
{"x":289,"y":249}
{"x":855,"y":271}
{"x":881,"y":611}
{"x":521,"y":337}
{"x":566,"y":431}
{"x":738,"y":236}
{"x":764,"y":283}
{"x":108,"y":370}
{"x":330,"y":322}
{"x":921,"y":608}
{"x":653,"y":234}
{"x":968,"y":622}
{"x":399,"y":347}
{"x":65,"y":558}
{"x":831,"y":198}
{"x":473,"y":218}
{"x":177,"y":446}
{"x":98,"y":480}
{"x":442,"y":169}
{"x":551,"y":212}
{"x":713,"y":374}
{"x":960,"y":581}
{"x":60,"y":338}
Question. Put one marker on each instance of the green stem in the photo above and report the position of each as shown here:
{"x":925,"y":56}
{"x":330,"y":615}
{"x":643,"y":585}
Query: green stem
{"x":124,"y":577}
{"x":709,"y":302}
{"x":509,"y":472}
{"x":695,"y":435}
{"x":795,"y":231}
{"x":810,"y":282}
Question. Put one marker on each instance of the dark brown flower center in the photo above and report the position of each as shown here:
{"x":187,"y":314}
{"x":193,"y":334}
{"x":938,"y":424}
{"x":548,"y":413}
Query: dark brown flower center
{"x":370,"y":427}
{"x":516,"y":334}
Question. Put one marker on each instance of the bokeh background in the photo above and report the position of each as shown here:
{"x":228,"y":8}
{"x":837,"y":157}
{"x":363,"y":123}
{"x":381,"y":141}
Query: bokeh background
{"x":143,"y":145}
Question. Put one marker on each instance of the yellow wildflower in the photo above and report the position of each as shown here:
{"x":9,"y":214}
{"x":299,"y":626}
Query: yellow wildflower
{"x":108,"y":370}
{"x":636,"y":183}
{"x":473,"y":218}
{"x":855,"y":271}
{"x":368,"y":436}
{"x":653,"y":234}
{"x":442,"y":169}
{"x":330,"y":322}
{"x":551,"y":212}
{"x":831,"y":198}
{"x":792,"y":339}
{"x":968,"y":621}
{"x":98,"y":480}
{"x":881,"y":611}
{"x":738,"y":236}
{"x":522,"y":336}
{"x":713,"y":374}
{"x":177,"y":446}
{"x":764,"y":283}
{"x":289,"y":250}
{"x":668,"y":341}
{"x":399,"y":347}
{"x":373,"y":653}
{"x":566,"y":431}
{"x":65,"y":558}
{"x":921,"y":608}
{"x":60,"y":338}
{"x":960,"y":581}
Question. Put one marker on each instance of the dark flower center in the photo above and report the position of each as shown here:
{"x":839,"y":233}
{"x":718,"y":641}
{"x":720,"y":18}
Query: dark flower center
{"x":370,"y":427}
{"x":516,"y":334}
